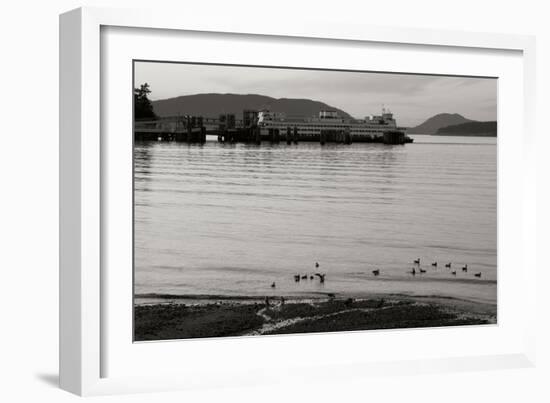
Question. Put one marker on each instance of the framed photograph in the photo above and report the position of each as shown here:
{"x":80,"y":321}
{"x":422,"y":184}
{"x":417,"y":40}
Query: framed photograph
{"x":237,"y":196}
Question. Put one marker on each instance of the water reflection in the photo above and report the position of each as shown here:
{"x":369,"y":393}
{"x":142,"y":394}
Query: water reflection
{"x":217,"y":218}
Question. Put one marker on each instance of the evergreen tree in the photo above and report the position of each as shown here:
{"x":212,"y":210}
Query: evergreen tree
{"x":143,"y":109}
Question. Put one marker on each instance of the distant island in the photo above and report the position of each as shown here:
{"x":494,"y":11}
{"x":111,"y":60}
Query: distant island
{"x":212,"y":105}
{"x":486,"y":129}
{"x":454,"y":124}
{"x":433,"y":124}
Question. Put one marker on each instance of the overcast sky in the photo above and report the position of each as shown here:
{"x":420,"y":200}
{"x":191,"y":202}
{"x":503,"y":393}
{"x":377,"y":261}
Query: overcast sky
{"x":412,"y":98}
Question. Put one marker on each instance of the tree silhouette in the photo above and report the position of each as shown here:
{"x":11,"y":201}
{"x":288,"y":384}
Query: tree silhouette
{"x":143,"y":109}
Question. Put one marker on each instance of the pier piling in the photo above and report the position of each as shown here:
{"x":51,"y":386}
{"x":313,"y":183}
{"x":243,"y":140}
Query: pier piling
{"x":347,"y":136}
{"x":323,"y":137}
{"x":274,"y":134}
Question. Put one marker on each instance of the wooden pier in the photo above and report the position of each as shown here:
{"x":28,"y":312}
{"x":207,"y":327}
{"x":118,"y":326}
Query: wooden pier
{"x":189,"y":129}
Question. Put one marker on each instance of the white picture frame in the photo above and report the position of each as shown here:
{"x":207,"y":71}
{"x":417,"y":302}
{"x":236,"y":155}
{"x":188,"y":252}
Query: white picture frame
{"x":84,"y":342}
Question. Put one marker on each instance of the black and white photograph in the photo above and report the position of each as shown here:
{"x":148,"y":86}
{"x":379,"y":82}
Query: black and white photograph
{"x":297,"y":201}
{"x":271,"y":200}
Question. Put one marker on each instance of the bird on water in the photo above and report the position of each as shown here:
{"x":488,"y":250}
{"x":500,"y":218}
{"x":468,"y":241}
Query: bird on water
{"x":321,"y":277}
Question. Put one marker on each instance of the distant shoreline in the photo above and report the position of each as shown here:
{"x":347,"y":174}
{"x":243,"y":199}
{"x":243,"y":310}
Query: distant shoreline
{"x":220,"y":316}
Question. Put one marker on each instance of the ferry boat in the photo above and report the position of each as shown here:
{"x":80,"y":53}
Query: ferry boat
{"x":329,"y":125}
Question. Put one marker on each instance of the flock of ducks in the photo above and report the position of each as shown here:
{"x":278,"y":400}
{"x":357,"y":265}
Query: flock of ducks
{"x":420,"y":270}
{"x":434,"y":264}
{"x":300,"y":277}
{"x":376,"y":272}
{"x":321,"y":276}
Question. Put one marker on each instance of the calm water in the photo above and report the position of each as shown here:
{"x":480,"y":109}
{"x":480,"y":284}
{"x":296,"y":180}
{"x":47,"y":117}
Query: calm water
{"x":231,"y":219}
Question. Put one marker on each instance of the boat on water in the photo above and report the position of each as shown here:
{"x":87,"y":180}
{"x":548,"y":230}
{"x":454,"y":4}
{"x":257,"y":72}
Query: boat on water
{"x":328,"y":126}
{"x":264,"y":125}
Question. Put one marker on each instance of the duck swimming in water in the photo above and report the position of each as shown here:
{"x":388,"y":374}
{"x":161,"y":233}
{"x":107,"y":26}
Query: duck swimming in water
{"x":321,"y":277}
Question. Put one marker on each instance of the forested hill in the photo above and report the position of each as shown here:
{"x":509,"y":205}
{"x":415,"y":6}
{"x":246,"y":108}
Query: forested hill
{"x":212,"y":105}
